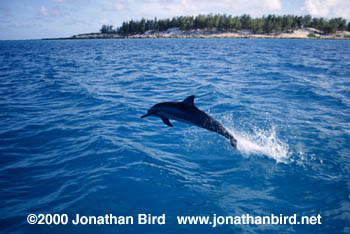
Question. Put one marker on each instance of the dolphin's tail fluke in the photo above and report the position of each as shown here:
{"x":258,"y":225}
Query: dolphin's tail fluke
{"x":233,"y":142}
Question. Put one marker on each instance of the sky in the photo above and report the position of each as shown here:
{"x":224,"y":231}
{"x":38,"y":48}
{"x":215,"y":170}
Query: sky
{"x":36,"y":19}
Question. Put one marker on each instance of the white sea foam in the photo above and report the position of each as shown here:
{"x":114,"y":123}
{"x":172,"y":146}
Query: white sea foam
{"x":262,"y":142}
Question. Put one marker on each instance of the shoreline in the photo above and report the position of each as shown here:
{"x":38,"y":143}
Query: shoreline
{"x":307,"y":33}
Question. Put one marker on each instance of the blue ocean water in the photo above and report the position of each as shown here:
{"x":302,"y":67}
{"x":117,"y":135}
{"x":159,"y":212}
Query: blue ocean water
{"x":72,"y":141}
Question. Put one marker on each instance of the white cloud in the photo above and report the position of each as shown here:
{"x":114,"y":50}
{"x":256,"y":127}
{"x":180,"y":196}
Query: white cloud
{"x":119,"y":6}
{"x":105,"y":21}
{"x":160,"y":8}
{"x":44,"y":11}
{"x":123,"y":5}
{"x":169,"y":8}
{"x":54,"y":11}
{"x":273,"y":4}
{"x":328,"y":8}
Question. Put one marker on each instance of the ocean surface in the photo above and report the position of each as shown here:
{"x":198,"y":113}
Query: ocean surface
{"x":72,"y":140}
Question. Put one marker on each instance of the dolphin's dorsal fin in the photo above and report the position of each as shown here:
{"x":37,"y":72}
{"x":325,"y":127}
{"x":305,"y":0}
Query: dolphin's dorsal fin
{"x":189,"y":100}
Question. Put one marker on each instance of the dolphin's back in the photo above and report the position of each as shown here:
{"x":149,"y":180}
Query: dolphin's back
{"x":201,"y":119}
{"x":186,"y":111}
{"x":213,"y":125}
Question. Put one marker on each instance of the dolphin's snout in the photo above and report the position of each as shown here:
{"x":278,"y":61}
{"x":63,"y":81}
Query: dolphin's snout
{"x":148,"y":114}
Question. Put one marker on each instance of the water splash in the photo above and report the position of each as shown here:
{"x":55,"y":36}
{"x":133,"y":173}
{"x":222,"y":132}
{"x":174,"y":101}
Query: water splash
{"x":262,"y":142}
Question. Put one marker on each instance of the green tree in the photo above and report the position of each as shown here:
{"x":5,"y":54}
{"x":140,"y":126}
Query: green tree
{"x":330,"y":27}
{"x":107,"y":29}
{"x":287,"y":22}
{"x":246,"y":21}
{"x":341,"y":24}
{"x":306,"y":21}
{"x":142,"y":26}
{"x":221,"y":24}
{"x":269,"y":24}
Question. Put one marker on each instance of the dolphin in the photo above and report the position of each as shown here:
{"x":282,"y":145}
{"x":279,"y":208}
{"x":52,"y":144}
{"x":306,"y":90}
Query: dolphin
{"x":187,"y":112}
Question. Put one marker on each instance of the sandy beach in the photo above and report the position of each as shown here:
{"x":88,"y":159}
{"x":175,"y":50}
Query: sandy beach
{"x":306,"y":33}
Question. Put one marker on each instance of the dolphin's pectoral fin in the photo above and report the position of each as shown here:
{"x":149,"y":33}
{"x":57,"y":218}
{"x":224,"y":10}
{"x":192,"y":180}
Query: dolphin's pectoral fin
{"x":189,"y":100}
{"x":167,"y":122}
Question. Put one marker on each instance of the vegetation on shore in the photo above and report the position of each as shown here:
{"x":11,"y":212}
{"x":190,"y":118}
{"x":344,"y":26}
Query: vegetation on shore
{"x":264,"y":25}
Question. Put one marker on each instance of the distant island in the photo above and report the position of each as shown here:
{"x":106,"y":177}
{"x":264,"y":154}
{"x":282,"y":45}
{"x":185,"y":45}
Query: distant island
{"x":226,"y":26}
